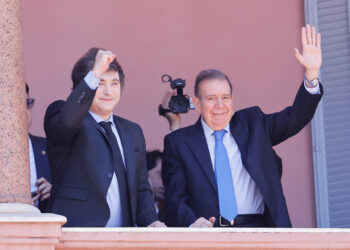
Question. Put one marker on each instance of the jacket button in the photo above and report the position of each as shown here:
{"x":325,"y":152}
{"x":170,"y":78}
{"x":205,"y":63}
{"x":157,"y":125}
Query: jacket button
{"x":216,"y":205}
{"x":110,"y":176}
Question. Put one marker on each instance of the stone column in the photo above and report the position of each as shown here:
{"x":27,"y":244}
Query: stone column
{"x":22,"y":226}
{"x":14,"y":156}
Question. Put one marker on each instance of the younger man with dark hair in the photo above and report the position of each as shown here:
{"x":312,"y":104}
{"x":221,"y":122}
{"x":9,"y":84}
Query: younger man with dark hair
{"x":97,"y":159}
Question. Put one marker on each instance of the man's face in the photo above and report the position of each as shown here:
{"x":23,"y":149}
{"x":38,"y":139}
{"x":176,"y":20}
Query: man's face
{"x":29,"y":114}
{"x":107,"y":95}
{"x":156,"y":181}
{"x":215,"y":103}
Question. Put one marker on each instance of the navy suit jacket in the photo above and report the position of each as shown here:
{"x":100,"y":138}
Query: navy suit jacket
{"x":188,"y":176}
{"x":81,"y":162}
{"x":41,"y":164}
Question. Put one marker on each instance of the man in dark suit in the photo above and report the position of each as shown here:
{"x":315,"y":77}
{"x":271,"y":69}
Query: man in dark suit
{"x":97,"y":159}
{"x":40,"y":176}
{"x":223,"y":171}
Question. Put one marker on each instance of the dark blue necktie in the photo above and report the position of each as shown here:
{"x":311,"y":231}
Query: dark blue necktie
{"x":119,"y":170}
{"x":224,"y":182}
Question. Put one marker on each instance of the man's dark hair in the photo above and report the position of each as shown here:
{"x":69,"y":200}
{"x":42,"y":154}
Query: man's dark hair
{"x":27,"y":89}
{"x":86,"y":62}
{"x":209,"y":74}
{"x":152,"y":157}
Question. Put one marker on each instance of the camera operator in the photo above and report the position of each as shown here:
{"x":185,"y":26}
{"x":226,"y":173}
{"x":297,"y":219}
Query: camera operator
{"x":174,"y":119}
{"x":154,"y":158}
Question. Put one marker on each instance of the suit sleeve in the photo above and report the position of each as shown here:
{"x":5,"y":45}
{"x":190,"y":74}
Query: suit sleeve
{"x":282,"y":125}
{"x":178,"y":212}
{"x":64,"y":119}
{"x":146,"y":213}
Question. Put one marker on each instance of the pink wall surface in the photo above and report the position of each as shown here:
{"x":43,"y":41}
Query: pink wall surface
{"x":251,"y":41}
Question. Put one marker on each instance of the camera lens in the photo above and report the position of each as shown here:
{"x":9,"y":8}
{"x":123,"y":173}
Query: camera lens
{"x":179,"y":104}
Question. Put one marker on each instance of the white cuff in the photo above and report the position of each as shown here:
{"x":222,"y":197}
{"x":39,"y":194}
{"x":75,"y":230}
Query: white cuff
{"x":91,"y":80}
{"x":313,"y":91}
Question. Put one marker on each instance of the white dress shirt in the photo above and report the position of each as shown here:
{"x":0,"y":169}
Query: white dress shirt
{"x":33,"y":174}
{"x":113,"y":196}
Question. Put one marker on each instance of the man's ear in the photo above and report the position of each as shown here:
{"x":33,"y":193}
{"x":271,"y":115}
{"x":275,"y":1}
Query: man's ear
{"x":196,"y":103}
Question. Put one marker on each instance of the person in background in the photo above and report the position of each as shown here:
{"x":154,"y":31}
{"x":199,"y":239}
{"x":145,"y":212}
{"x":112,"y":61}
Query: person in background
{"x":154,"y":163}
{"x":40,"y":175}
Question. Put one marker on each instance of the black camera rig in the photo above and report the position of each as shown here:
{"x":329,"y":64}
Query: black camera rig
{"x":178,"y":103}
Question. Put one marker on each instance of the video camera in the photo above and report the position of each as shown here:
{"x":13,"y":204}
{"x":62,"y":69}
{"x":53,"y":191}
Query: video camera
{"x":178,"y":103}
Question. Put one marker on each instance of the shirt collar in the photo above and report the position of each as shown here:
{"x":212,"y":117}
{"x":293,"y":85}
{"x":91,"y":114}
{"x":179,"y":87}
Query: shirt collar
{"x":208,"y":131}
{"x":99,"y":119}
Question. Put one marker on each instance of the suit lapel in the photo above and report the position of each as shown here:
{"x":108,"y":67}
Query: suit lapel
{"x":128,"y":149}
{"x":130,"y":162}
{"x":198,"y":145}
{"x":240,"y":132}
{"x":100,"y":129}
{"x":93,"y":121}
{"x":37,"y":149}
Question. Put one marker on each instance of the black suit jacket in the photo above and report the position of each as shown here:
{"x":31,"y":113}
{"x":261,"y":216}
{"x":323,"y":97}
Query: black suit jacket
{"x":81,"y":163}
{"x":188,"y":176}
{"x":41,"y":164}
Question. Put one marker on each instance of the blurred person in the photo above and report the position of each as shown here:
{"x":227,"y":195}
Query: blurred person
{"x":154,"y":163}
{"x":98,"y":160}
{"x":223,"y":170}
{"x":40,"y":176}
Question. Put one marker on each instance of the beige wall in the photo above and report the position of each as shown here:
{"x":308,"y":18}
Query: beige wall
{"x":250,"y":40}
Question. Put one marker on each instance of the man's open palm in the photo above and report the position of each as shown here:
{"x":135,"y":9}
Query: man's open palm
{"x":311,"y":56}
